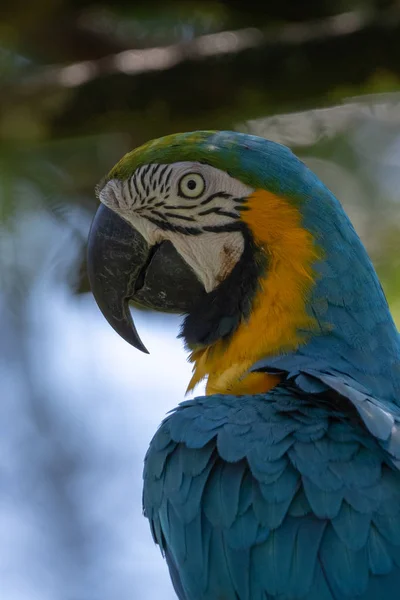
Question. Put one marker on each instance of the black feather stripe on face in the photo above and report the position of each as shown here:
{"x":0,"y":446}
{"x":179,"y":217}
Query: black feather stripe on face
{"x":133,"y":184}
{"x":178,"y":216}
{"x":167,"y":226}
{"x":218,"y":314}
{"x":211,"y":197}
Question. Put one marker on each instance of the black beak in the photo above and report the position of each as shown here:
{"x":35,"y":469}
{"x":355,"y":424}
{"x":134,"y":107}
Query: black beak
{"x":123,"y":267}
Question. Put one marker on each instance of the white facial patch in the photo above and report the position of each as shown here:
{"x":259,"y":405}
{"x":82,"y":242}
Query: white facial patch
{"x":195,"y":206}
{"x":212,"y":256}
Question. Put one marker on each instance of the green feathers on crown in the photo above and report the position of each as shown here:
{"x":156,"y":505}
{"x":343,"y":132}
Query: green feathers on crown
{"x":257,"y":162}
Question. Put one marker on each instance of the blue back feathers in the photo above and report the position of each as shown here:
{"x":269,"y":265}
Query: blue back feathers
{"x":280,"y":496}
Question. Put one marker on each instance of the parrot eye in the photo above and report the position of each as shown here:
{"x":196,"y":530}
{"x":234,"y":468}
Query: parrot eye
{"x":191,"y":186}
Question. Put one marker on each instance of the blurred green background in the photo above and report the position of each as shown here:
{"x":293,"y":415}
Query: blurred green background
{"x":81,"y":83}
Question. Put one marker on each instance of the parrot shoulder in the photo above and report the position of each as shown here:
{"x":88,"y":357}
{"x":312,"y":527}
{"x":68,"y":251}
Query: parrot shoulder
{"x":290,"y":494}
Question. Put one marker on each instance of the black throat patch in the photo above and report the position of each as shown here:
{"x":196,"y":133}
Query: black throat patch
{"x":218,"y":314}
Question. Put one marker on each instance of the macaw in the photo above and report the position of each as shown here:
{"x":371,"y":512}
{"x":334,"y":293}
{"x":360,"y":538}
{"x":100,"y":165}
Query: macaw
{"x":282,"y":482}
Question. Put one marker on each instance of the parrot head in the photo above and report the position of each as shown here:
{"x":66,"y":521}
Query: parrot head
{"x":239,"y":235}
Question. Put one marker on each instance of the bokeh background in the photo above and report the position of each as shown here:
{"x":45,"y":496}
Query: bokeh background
{"x":81,"y":83}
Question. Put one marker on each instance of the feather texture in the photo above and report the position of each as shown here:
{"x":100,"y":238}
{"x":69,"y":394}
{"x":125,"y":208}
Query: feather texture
{"x":295,"y":497}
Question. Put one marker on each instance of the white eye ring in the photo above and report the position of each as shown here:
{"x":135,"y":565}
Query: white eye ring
{"x":191,"y":185}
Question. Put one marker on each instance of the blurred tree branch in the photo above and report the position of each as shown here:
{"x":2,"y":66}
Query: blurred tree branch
{"x":230,"y":75}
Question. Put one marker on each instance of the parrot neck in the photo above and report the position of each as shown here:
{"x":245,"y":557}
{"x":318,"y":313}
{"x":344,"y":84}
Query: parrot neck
{"x":290,"y":296}
{"x":358,"y":336}
{"x":279,"y":266}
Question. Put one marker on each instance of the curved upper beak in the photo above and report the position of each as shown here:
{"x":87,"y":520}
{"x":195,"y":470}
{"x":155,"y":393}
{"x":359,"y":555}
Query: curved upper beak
{"x":123,"y":267}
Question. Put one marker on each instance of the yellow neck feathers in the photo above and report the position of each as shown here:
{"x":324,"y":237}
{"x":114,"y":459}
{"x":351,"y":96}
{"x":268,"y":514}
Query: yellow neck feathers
{"x":279,"y":307}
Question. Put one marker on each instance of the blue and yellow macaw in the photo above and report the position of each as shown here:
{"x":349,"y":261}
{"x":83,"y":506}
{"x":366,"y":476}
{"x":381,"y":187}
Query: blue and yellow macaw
{"x":283,"y":481}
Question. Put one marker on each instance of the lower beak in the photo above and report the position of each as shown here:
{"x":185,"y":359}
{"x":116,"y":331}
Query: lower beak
{"x":123,"y":267}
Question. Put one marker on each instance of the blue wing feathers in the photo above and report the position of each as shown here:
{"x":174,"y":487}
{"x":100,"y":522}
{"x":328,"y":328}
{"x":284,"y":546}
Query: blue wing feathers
{"x":283,"y":488}
{"x":379,"y":556}
{"x":352,"y":527}
{"x":193,"y":463}
{"x":175,"y":577}
{"x":305,"y":556}
{"x":300,"y":506}
{"x":239,"y":569}
{"x":285,"y":496}
{"x":321,"y":589}
{"x":325,"y":503}
{"x":363,"y":499}
{"x":346,"y":570}
{"x":220,"y":582}
{"x":269,"y":514}
{"x":243,"y":532}
{"x":221,"y":496}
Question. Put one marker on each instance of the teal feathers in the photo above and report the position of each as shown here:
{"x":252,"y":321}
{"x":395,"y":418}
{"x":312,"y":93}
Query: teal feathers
{"x":286,"y":495}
